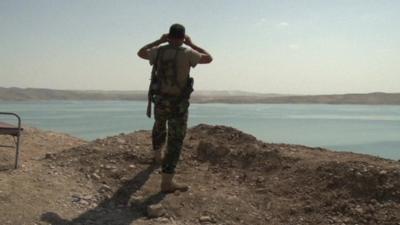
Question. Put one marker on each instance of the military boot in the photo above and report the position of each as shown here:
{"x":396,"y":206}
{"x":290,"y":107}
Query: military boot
{"x":169,"y":186}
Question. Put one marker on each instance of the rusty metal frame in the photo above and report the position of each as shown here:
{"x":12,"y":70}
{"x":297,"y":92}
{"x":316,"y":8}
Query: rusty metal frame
{"x":16,"y":134}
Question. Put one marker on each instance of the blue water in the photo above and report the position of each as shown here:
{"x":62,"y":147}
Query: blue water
{"x":365,"y":129}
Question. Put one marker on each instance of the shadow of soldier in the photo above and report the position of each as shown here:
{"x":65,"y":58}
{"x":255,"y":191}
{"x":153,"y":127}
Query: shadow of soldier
{"x":107,"y":212}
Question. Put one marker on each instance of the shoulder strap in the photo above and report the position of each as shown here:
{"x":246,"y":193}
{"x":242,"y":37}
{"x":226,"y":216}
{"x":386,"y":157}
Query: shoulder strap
{"x":159,"y":54}
{"x":155,"y":63}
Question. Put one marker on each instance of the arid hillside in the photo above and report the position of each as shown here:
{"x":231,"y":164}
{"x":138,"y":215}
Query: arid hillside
{"x":234,"y":97}
{"x":234,"y":179}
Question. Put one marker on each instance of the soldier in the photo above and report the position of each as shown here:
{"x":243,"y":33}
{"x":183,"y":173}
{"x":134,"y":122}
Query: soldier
{"x":170,"y":89}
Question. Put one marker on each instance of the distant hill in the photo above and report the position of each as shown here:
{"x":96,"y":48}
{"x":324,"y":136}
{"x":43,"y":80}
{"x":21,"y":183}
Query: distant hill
{"x":234,"y":97}
{"x":367,"y":99}
{"x":12,"y":94}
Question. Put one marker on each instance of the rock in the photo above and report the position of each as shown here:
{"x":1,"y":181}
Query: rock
{"x":371,"y":208}
{"x":121,"y":141}
{"x":50,"y":156}
{"x":124,"y":179}
{"x":96,"y":148}
{"x":75,"y":198}
{"x":83,"y":202}
{"x":105,"y":188}
{"x":110,"y":167}
{"x":383,"y":172}
{"x":359,"y":210}
{"x":135,"y":200}
{"x":154,"y":211}
{"x":336,"y":219}
{"x":87,"y":197}
{"x":261,"y":190}
{"x":163,"y":220}
{"x":260,"y":179}
{"x":206,"y":219}
{"x":96,"y":176}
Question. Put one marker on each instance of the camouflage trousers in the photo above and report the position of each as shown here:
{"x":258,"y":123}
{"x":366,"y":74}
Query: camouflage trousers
{"x":171,"y":124}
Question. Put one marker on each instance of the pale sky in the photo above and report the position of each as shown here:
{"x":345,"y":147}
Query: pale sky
{"x":287,"y":47}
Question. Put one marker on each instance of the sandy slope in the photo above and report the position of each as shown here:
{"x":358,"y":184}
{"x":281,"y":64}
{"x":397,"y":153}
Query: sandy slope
{"x":234,"y":178}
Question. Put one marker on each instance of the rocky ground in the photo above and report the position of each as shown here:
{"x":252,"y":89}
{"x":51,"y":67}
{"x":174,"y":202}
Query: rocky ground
{"x":234,"y":179}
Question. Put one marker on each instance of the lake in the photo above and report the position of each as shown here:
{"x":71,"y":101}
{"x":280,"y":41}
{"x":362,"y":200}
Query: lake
{"x":365,"y":129}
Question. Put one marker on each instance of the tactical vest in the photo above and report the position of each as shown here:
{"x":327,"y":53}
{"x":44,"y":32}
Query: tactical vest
{"x":165,"y":82}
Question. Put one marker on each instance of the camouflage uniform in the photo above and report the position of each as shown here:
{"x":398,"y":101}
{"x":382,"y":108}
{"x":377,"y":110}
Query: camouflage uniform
{"x":170,"y":77}
{"x":175,"y":113}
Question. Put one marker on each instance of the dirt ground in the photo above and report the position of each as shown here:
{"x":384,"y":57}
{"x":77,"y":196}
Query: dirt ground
{"x":234,"y":179}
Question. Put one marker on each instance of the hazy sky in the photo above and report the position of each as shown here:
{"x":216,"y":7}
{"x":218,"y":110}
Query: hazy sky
{"x":297,"y":47}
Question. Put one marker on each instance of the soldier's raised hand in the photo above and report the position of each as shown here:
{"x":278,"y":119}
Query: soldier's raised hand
{"x":163,"y":38}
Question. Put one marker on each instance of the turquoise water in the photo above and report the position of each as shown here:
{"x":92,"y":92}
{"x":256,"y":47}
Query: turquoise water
{"x":358,"y":128}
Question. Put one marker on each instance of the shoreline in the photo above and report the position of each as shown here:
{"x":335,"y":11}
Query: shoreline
{"x":202,"y":102}
{"x":202,"y":97}
{"x":351,"y":127}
